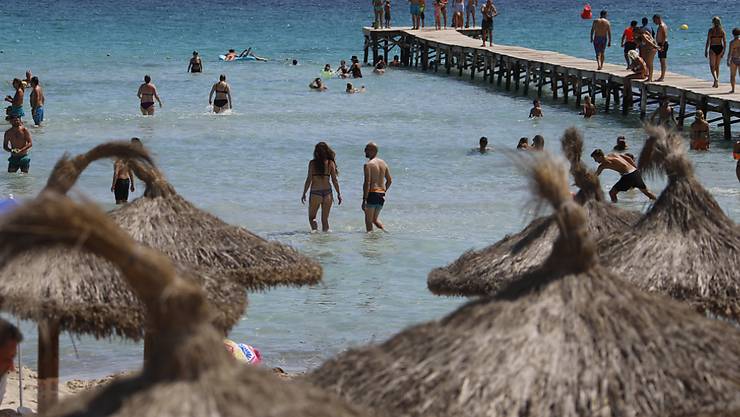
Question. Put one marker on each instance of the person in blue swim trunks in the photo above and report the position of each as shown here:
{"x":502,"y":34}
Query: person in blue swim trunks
{"x":415,"y":14}
{"x":16,"y":101}
{"x":601,"y":37}
{"x":37,"y":101}
{"x":18,"y":142}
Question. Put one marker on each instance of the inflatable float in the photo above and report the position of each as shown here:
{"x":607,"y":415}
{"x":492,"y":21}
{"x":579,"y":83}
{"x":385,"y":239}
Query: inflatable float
{"x":239,"y":58}
{"x":586,"y":13}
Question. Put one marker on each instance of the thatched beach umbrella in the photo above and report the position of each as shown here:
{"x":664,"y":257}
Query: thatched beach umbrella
{"x":568,"y":339}
{"x":190,"y":374}
{"x":685,"y":246}
{"x":66,"y":290}
{"x":489,"y":270}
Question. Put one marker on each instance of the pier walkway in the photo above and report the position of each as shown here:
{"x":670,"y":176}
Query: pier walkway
{"x":565,"y":77}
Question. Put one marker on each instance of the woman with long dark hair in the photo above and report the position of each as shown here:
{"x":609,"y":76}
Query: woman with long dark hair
{"x":321,"y":169}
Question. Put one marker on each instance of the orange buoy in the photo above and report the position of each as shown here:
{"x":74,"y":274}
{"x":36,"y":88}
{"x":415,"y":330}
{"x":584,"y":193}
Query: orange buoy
{"x":736,"y":150}
{"x":586,"y":13}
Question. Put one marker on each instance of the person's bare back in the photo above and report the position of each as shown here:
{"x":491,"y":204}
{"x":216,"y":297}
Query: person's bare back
{"x":601,"y":27}
{"x":623,"y":164}
{"x":377,"y":169}
{"x":377,"y":181}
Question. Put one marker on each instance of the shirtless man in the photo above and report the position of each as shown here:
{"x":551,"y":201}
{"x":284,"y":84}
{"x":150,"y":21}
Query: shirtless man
{"x":626,"y":167}
{"x":700,"y":133}
{"x":355,"y":69}
{"x":377,"y":182}
{"x":733,"y":58}
{"x":123,"y":180}
{"x":147,"y":94}
{"x":195,"y":65}
{"x":601,"y":37}
{"x":37,"y":101}
{"x":16,"y":101}
{"x":661,"y":37}
{"x":664,"y":115}
{"x":482,"y":146}
{"x":18,"y":141}
{"x":223,"y":95}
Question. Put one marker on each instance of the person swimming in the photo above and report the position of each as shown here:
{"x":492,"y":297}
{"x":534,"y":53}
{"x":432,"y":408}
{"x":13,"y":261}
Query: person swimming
{"x":523,"y":144}
{"x":482,"y":146}
{"x":538,"y":143}
{"x":589,"y":110}
{"x":621,"y":145}
{"x":380,"y":67}
{"x":317,"y":85}
{"x":536,"y":111}
{"x":352,"y":90}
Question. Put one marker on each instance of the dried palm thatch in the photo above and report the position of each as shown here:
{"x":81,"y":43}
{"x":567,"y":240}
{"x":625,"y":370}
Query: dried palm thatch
{"x":685,"y":246}
{"x":85,"y":294}
{"x":487,"y":271}
{"x":568,"y":339}
{"x":163,"y":220}
{"x":190,"y":374}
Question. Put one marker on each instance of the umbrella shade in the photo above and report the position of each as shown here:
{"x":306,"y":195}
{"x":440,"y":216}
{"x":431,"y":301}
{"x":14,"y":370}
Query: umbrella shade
{"x":190,"y":373}
{"x":487,"y":271}
{"x":85,"y":294}
{"x":685,"y":246}
{"x":164,"y":220}
{"x":566,"y":339}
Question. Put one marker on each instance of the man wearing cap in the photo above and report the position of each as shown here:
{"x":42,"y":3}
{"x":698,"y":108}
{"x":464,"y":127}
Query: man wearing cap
{"x":18,"y":141}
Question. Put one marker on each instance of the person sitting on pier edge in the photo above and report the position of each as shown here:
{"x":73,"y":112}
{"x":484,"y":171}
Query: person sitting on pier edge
{"x":628,"y":41}
{"x":538,"y":143}
{"x":700,"y":133}
{"x":589,"y":110}
{"x":523,"y":144}
{"x":601,"y":37}
{"x":625,"y":165}
{"x":395,"y":63}
{"x":664,"y":115}
{"x":621,"y":145}
{"x":536,"y":111}
{"x":380,"y":67}
{"x":317,"y":85}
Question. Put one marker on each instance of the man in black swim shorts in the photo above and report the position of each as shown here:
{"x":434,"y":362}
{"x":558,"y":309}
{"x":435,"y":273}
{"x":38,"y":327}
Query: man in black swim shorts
{"x":624,"y":165}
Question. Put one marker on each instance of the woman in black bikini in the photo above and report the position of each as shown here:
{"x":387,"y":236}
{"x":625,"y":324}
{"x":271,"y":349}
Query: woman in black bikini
{"x":321,"y":170}
{"x":196,"y":65}
{"x":715,"y":48}
{"x":223,"y":95}
{"x":147,"y":94}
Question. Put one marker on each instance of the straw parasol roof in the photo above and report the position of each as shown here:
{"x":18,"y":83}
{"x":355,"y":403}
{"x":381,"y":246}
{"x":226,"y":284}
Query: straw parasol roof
{"x":685,"y":246}
{"x":190,"y":373}
{"x":567,"y":339}
{"x":84,"y":294}
{"x":489,"y":270}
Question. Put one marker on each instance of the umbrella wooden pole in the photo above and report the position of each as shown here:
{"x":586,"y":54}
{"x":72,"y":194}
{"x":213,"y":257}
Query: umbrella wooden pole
{"x":48,"y":363}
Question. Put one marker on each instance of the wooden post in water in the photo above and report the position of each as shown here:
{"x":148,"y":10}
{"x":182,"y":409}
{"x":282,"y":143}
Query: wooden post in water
{"x":461,"y":62}
{"x":643,"y":100}
{"x":540,"y":80}
{"x":554,"y":80}
{"x":566,"y":86}
{"x":424,"y":57}
{"x":578,"y":88}
{"x":500,"y":70}
{"x":475,"y":64}
{"x":727,"y":120}
{"x":509,"y":74}
{"x":367,"y":45}
{"x":385,"y":50}
{"x":374,"y":39}
{"x":527,"y":78}
{"x":681,"y":110}
{"x":48,"y":364}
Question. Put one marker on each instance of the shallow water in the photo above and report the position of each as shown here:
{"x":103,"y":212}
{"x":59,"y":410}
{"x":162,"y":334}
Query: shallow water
{"x":248,"y":167}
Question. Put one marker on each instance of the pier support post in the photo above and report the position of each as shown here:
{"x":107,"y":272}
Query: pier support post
{"x":540,"y":80}
{"x":566,"y":87}
{"x":374,"y":39}
{"x":681,"y":110}
{"x":475,"y":65}
{"x":424,"y":57}
{"x":508,"y":74}
{"x":461,"y":62}
{"x":527,"y":79}
{"x":727,"y":120}
{"x":607,"y":93}
{"x":365,"y":50}
{"x":592,"y":88}
{"x":500,"y":70}
{"x":643,"y":100}
{"x":385,"y":50}
{"x":554,"y":82}
{"x":578,"y":88}
{"x":448,"y":60}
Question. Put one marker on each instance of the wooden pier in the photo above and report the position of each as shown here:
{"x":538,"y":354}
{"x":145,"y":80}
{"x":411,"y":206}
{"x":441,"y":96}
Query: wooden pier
{"x":565,"y":77}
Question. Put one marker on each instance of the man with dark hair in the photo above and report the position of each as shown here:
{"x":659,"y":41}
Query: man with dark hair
{"x":18,"y":142}
{"x":377,"y":182}
{"x":646,"y":27}
{"x":10,"y":337}
{"x":37,"y":101}
{"x":625,"y":166}
{"x":628,"y":40}
{"x":661,"y":38}
{"x":601,"y":37}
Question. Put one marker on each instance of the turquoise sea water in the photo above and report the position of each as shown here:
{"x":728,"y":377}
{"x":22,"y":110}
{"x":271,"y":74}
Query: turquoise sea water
{"x":248,"y":167}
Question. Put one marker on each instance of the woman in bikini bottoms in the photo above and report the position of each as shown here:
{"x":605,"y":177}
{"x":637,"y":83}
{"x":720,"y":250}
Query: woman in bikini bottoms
{"x":321,"y":170}
{"x":223,"y":95}
{"x":648,"y":50}
{"x":715,"y":48}
{"x":733,"y":58}
{"x":147,"y":94}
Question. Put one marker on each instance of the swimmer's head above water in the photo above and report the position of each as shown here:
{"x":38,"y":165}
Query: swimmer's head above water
{"x":371,"y":150}
{"x":222,"y":77}
{"x":147,"y":79}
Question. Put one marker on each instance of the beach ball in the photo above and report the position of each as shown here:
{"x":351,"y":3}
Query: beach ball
{"x":242,"y":352}
{"x":684,"y":27}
